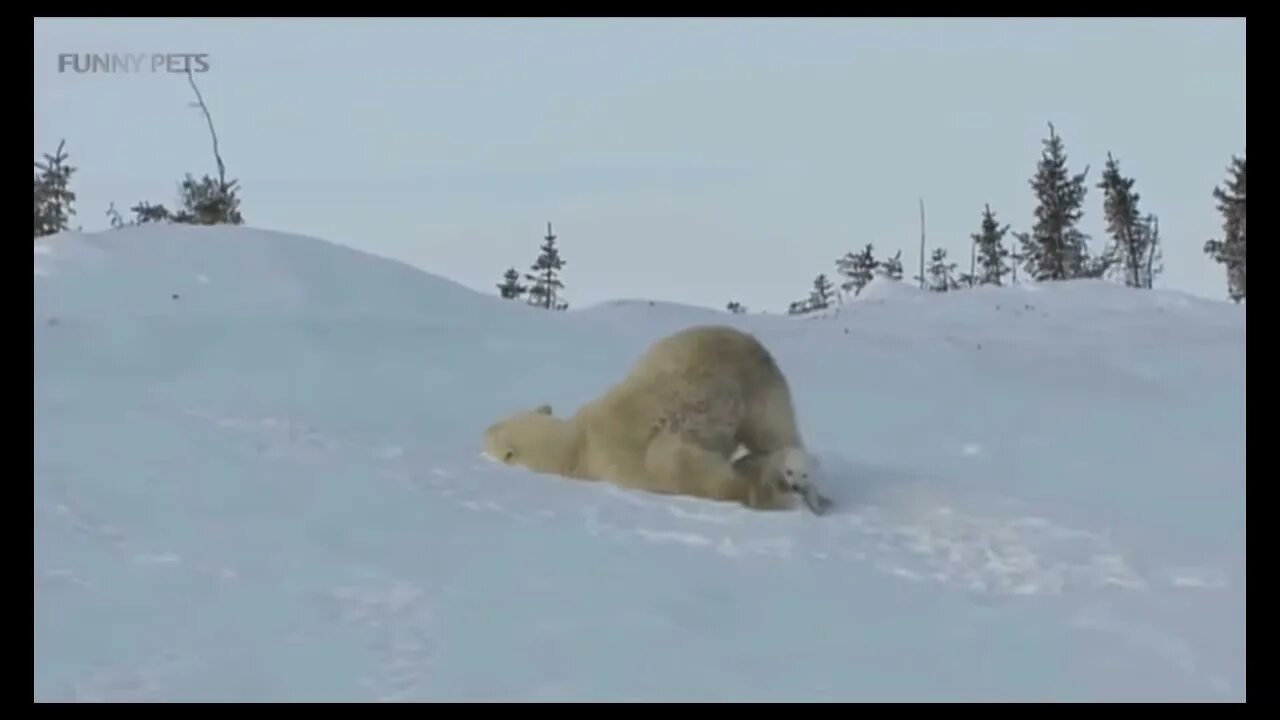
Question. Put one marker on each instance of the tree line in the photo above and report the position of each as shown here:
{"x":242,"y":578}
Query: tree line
{"x":207,"y":201}
{"x":1053,"y":248}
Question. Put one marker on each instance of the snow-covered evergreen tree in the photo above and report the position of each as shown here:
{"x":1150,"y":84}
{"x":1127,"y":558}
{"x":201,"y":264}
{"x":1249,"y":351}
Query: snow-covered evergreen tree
{"x":510,"y":287}
{"x":941,"y":275}
{"x":54,"y":199}
{"x":1230,"y":250}
{"x":822,"y":294}
{"x":1056,"y":248}
{"x":857,"y":269}
{"x":544,"y":292}
{"x":892,"y":267}
{"x":145,"y":212}
{"x":114,"y":217}
{"x":1131,"y":236}
{"x":993,"y":257}
{"x":208,"y":201}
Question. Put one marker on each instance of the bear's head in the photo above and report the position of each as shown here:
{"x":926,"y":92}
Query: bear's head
{"x":794,"y":467}
{"x":532,"y":439}
{"x":797,"y":468}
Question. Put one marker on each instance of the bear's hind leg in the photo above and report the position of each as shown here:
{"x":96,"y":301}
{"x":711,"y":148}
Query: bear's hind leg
{"x":758,"y":470}
{"x":680,"y":467}
{"x":770,"y":423}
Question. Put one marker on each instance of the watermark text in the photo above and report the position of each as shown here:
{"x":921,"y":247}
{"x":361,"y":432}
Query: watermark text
{"x":133,"y":62}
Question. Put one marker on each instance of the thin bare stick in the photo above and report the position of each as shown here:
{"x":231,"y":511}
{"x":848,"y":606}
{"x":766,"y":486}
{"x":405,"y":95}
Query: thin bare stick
{"x":922,"y":243}
{"x":1149,"y":281}
{"x":973,"y":263}
{"x":222,"y":171}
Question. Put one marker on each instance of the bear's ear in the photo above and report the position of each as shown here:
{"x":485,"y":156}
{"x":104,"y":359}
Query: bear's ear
{"x":543,"y":409}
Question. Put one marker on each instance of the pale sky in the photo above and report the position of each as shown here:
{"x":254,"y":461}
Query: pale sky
{"x":693,"y":161}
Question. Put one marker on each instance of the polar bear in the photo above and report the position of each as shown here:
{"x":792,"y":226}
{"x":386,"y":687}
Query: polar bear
{"x":672,"y":424}
{"x":789,"y":470}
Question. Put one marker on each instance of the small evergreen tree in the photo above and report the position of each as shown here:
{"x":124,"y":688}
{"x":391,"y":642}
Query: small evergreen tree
{"x":208,"y":201}
{"x":941,"y":275}
{"x":201,"y":202}
{"x":1132,"y":236}
{"x":799,"y":307}
{"x":113,"y":216}
{"x":145,"y":212}
{"x":857,"y":269}
{"x":1056,"y":249}
{"x":1230,"y":250}
{"x":736,"y":308}
{"x":822,"y":294}
{"x":544,"y":292}
{"x":510,"y":287}
{"x":993,"y":256}
{"x":54,"y":199}
{"x":892,"y":267}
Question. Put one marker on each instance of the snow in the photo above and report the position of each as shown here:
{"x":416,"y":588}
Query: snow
{"x":881,"y":289}
{"x":258,"y":477}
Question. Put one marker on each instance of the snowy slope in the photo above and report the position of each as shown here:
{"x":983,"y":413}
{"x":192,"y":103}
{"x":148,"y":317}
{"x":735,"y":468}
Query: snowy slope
{"x":257,"y":477}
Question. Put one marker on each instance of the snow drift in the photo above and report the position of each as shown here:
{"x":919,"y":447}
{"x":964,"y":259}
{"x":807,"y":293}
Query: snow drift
{"x":257,"y":477}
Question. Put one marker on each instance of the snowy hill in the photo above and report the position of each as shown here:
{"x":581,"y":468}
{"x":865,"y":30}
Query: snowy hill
{"x":257,"y":477}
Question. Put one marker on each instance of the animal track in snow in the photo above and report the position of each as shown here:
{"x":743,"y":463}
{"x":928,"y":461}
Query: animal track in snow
{"x":1005,"y":556}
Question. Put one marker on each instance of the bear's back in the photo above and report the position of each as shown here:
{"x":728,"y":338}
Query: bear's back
{"x":710,"y":355}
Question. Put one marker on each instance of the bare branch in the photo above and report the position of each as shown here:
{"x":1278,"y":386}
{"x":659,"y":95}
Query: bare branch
{"x":921,"y":243}
{"x":222,"y":171}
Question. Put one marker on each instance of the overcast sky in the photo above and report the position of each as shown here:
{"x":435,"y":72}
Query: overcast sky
{"x":695,"y":161}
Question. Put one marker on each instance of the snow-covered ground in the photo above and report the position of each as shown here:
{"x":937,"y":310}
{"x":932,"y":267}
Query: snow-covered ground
{"x":257,"y":477}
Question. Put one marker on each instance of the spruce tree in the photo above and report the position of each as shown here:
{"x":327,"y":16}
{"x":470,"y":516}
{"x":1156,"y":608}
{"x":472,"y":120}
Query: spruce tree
{"x":736,"y":308}
{"x":1230,"y":250}
{"x":858,"y":269}
{"x":822,"y":294}
{"x":113,"y":216}
{"x":1131,"y":236}
{"x":1056,"y":249}
{"x":54,"y":199}
{"x":510,"y":287}
{"x":892,"y":267}
{"x":993,"y":256}
{"x":208,"y":201}
{"x":799,"y":307}
{"x":545,"y":277}
{"x":941,"y":275}
{"x":145,"y":212}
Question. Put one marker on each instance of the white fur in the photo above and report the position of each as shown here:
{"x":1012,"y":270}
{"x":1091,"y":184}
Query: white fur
{"x":797,"y":468}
